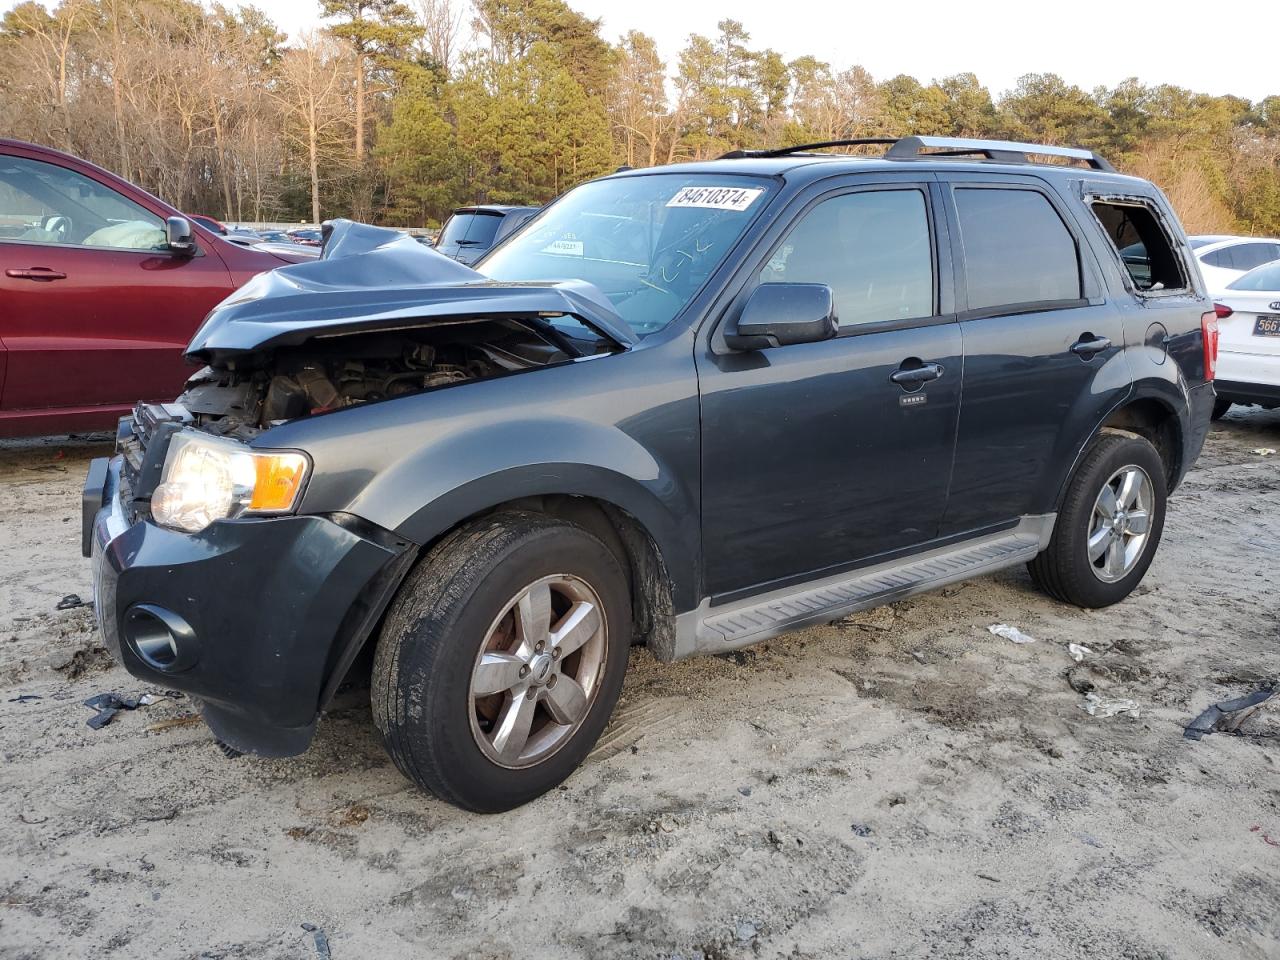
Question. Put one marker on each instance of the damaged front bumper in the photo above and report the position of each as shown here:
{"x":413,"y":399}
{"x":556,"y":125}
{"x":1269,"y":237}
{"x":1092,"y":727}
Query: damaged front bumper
{"x":258,"y":620}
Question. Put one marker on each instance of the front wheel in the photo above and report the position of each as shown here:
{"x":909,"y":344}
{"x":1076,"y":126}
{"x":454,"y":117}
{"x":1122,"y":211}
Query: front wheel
{"x":1109,"y":526}
{"x":501,"y":660}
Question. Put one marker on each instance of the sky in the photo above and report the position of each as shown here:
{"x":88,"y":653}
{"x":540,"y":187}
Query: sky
{"x":1189,"y":44}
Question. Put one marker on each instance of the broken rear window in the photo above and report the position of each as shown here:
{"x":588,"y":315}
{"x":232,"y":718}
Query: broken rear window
{"x":1142,"y":244}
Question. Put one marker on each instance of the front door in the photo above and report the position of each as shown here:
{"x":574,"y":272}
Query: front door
{"x":95,"y":311}
{"x":813,"y":457}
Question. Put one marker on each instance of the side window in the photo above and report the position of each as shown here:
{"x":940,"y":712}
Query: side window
{"x":44,"y":203}
{"x":871,"y":248}
{"x":1017,"y":250}
{"x":1246,"y":256}
{"x":1141,"y":243}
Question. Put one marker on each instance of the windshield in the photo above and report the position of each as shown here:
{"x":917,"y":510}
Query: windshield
{"x":647,"y":242}
{"x":1266,"y":277}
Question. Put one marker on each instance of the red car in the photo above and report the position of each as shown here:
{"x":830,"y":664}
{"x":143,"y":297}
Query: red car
{"x":101,"y":287}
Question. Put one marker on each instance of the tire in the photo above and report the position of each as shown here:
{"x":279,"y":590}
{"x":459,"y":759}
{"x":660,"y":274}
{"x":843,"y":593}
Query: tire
{"x":1064,"y":569}
{"x":1220,"y":408}
{"x":462,"y":597}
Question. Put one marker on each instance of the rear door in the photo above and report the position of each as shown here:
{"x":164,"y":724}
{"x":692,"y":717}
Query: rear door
{"x":1043,"y":348}
{"x":813,"y":458}
{"x":95,"y":310}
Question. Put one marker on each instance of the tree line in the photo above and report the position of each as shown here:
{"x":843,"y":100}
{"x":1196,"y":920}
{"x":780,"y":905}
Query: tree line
{"x":396,"y":112}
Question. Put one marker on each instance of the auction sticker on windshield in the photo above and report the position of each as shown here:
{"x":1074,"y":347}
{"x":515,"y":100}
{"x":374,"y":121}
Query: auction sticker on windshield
{"x":565,"y":248}
{"x":716,"y":198}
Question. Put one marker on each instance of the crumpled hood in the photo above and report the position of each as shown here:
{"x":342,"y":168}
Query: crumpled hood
{"x":373,"y":278}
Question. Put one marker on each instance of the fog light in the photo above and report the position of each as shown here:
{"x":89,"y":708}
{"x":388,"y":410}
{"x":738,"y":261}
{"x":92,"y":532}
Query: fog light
{"x":160,"y":638}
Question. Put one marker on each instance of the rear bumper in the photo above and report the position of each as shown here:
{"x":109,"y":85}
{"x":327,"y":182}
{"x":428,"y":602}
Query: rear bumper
{"x":258,"y":620}
{"x":1255,"y":374}
{"x":1238,"y":391}
{"x":1200,"y":414}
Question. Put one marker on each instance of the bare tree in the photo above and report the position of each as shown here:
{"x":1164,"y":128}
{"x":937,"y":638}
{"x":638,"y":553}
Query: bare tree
{"x":441,"y":28}
{"x":309,"y":92}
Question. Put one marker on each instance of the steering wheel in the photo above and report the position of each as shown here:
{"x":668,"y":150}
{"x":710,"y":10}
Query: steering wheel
{"x":57,"y":223}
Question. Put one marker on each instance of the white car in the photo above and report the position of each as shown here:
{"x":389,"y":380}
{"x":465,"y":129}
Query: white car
{"x":1249,"y":341}
{"x":1226,"y":259}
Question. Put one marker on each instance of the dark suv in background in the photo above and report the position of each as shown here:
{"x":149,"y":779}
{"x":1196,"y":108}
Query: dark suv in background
{"x":692,"y":406}
{"x":470,"y":232}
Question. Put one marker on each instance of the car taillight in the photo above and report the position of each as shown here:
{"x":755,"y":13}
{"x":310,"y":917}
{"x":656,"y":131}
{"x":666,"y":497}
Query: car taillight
{"x":1209,"y":334}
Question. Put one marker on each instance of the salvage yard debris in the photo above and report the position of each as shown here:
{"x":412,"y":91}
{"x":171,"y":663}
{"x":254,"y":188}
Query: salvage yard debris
{"x":1228,"y":715}
{"x":109,"y":704}
{"x":1097,"y":706}
{"x":71,"y":601}
{"x":1264,"y":451}
{"x":1010,"y":633}
{"x":1077,"y":651}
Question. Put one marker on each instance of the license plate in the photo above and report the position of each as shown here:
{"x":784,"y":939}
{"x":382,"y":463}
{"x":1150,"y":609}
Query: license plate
{"x":1267,"y":325}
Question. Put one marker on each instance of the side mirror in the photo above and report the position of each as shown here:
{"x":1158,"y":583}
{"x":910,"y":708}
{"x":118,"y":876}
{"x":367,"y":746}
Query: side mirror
{"x":179,"y":236}
{"x":778,"y":314}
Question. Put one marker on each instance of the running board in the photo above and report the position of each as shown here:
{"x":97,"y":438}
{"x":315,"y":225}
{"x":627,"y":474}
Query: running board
{"x":726,"y":627}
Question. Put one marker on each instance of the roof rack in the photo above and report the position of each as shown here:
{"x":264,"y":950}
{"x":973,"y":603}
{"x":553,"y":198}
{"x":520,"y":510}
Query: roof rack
{"x":1007,"y":151}
{"x":802,"y":147}
{"x":913,"y":148}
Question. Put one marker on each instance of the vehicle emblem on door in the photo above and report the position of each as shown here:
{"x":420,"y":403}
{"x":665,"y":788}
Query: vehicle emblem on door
{"x":913,"y":399}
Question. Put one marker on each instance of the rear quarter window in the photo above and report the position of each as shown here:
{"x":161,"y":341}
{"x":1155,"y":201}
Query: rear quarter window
{"x":1142,"y":244}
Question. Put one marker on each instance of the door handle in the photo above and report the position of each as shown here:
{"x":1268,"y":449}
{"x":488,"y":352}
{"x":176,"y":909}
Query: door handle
{"x":914,"y":376}
{"x":1088,"y":345}
{"x":36,"y":273}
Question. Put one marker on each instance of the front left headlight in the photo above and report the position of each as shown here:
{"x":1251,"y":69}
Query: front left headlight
{"x":208,"y":478}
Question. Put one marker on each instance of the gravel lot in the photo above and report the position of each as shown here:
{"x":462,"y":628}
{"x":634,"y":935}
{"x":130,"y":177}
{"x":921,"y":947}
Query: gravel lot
{"x":901,"y":784}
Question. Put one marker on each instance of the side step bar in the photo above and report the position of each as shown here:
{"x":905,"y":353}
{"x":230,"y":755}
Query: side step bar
{"x":741,"y":623}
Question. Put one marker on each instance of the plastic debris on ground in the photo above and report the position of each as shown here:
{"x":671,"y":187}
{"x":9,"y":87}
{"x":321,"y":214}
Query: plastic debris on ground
{"x":109,"y":704}
{"x":25,"y":698}
{"x":321,"y":940}
{"x":1010,"y":633}
{"x":1264,"y":451}
{"x":71,"y":601}
{"x":1257,"y":828}
{"x":1228,"y":715}
{"x":1078,"y":651}
{"x":1097,"y":706}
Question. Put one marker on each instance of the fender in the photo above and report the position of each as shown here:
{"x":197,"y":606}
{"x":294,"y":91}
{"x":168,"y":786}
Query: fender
{"x":478,"y":479}
{"x":623,"y":433}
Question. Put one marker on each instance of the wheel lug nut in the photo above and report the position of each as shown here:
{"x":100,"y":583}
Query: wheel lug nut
{"x":539,"y":646}
{"x":555,"y":653}
{"x":524,"y":671}
{"x":532,"y":693}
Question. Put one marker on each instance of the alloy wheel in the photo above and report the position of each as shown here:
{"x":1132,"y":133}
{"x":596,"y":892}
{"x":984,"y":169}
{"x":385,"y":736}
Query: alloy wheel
{"x":1120,"y":524}
{"x":538,"y":671}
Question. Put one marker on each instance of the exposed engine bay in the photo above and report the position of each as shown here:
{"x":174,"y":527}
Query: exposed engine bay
{"x":251,"y":394}
{"x":378,"y":316}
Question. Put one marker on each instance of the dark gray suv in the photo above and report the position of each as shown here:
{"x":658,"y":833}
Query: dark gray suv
{"x":692,"y":407}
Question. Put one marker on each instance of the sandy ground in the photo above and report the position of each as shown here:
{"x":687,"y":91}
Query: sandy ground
{"x":902,"y":785}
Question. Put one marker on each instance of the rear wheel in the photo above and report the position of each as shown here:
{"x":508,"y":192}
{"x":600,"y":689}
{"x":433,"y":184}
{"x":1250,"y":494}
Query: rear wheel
{"x":1220,"y":408}
{"x":501,"y":660}
{"x":1109,"y":526}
